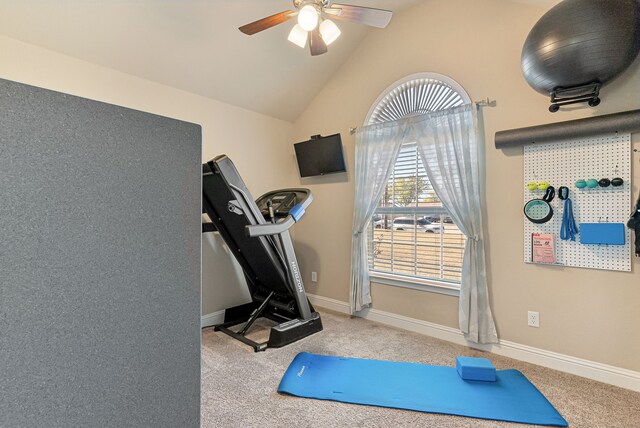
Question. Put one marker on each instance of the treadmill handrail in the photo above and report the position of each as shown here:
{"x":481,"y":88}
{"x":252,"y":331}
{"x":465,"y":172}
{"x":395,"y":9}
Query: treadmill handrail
{"x":270,"y":228}
{"x":248,"y":201}
{"x":296,"y":213}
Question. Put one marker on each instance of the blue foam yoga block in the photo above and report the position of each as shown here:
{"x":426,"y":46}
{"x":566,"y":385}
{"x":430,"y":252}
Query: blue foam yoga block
{"x":470,"y":368}
{"x":602,"y":233}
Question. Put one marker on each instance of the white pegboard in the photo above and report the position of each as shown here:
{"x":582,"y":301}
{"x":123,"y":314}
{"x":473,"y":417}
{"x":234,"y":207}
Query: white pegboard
{"x":562,"y":164}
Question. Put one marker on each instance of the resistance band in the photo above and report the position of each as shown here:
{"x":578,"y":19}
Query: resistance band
{"x":568,"y":230}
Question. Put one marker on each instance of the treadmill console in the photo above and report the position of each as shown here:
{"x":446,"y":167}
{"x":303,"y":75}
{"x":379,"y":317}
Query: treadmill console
{"x":280,"y":202}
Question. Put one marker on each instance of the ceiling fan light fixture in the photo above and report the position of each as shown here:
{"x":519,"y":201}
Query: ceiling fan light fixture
{"x":329,"y":31}
{"x":312,"y":29}
{"x":308,"y":17}
{"x":298,"y":36}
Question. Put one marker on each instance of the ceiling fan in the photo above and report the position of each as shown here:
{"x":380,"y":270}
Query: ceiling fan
{"x":314,"y":25}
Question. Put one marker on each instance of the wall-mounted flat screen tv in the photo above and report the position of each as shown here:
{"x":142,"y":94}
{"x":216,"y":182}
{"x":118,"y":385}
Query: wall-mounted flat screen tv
{"x":320,"y":156}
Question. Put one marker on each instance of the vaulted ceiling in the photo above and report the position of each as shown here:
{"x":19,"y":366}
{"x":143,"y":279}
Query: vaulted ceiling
{"x":192,"y":45}
{"x":195,"y":45}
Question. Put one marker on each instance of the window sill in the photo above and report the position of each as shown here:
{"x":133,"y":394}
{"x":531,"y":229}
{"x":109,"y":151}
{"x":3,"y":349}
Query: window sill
{"x":420,"y":284}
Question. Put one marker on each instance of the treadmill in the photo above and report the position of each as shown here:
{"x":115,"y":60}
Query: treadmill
{"x":257,"y":233}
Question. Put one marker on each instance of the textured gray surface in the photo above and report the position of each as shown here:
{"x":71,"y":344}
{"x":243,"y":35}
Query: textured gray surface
{"x":99,"y":264}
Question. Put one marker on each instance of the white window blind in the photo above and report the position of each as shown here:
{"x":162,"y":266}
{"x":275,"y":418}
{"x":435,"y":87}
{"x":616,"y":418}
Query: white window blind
{"x":411,"y":234}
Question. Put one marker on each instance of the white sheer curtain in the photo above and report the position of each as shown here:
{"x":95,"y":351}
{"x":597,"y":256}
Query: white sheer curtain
{"x":376,"y":151}
{"x":448,"y":142}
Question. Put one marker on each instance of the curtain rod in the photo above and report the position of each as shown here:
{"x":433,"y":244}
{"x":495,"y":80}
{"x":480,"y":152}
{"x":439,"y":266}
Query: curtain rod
{"x":482,"y":103}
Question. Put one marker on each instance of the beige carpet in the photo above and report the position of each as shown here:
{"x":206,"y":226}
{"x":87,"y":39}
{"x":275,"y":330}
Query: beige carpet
{"x":239,"y":386}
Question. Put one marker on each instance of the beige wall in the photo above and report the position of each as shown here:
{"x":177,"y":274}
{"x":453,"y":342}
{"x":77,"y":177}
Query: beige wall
{"x":256,"y":143}
{"x":583,"y":313}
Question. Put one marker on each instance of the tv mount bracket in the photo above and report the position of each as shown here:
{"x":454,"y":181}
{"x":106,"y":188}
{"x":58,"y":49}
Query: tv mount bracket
{"x":575,"y":94}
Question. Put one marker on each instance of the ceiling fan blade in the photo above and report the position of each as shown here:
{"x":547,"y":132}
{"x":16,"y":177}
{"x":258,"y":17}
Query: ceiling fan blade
{"x":362,"y":15}
{"x":316,"y":44}
{"x":268,"y":22}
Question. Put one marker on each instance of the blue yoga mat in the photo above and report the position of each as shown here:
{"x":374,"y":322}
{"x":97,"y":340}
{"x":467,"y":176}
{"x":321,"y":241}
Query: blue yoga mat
{"x":420,"y":387}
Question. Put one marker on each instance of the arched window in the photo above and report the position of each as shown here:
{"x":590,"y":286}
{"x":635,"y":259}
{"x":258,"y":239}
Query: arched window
{"x":415,"y":94}
{"x":412,"y":239}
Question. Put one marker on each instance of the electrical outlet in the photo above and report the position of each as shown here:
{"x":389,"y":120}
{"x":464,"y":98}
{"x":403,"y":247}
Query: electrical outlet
{"x":533,"y":319}
{"x":314,"y":276}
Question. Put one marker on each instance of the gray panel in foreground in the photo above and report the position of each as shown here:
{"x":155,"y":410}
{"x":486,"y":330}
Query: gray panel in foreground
{"x":100,"y":264}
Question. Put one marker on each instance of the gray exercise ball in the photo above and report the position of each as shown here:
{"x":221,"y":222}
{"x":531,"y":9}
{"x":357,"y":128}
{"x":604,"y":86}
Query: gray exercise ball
{"x":579,"y":42}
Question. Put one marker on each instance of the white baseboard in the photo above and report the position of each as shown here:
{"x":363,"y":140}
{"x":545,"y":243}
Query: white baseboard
{"x":590,"y":369}
{"x":212,"y":319}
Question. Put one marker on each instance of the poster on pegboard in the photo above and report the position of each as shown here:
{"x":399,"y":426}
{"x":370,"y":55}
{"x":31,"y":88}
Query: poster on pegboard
{"x":601,"y":210}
